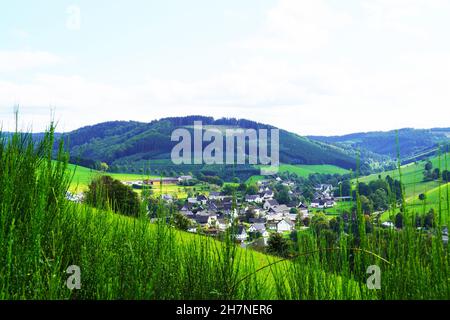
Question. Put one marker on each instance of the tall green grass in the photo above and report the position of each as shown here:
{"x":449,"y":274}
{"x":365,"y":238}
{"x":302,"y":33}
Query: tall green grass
{"x":41,"y":234}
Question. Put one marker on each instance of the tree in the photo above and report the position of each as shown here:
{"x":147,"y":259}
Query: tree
{"x":422,"y":196}
{"x":104,"y":166}
{"x":345,"y":188}
{"x":282,"y":196}
{"x":181,"y":222}
{"x":252,"y":189}
{"x":399,"y":220}
{"x":335,"y":224}
{"x":363,"y":189}
{"x":250,"y":214}
{"x":428,"y":166}
{"x":108,"y":193}
{"x":380,"y":199}
{"x":229,"y":189}
{"x":378,"y":184}
{"x":436,"y":173}
{"x":429,"y":219}
{"x":278,"y":245}
{"x":319,"y":222}
{"x":366,"y":205}
{"x":446,"y":176}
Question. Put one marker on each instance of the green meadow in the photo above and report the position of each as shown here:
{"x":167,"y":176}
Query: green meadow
{"x":412,"y":177}
{"x":303,"y":170}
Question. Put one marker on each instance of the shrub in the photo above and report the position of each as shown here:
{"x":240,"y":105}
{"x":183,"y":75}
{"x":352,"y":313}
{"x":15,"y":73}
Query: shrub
{"x":108,"y":193}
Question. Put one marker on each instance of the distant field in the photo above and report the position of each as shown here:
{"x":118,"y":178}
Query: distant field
{"x":338,"y":209}
{"x":254,"y":179}
{"x":180,"y":191}
{"x":304,"y":170}
{"x":82,"y":176}
{"x":412,"y":177}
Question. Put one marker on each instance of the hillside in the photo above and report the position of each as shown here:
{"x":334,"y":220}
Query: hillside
{"x":412,"y":177}
{"x":411,"y":142}
{"x":129,"y":146}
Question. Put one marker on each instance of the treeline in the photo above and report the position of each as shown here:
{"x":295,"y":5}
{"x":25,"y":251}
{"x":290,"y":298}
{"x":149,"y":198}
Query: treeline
{"x":431,"y":173}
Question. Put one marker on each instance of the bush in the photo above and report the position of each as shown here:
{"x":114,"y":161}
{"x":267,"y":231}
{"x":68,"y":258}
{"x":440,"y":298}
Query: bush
{"x":108,"y":193}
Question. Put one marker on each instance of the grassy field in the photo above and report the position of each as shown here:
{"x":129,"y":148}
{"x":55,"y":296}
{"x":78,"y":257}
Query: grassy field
{"x":339,"y":208}
{"x":82,"y":176}
{"x":303,"y":170}
{"x":412,"y":176}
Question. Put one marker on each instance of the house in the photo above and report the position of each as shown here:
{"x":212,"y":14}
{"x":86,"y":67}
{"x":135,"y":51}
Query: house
{"x":241,"y":233}
{"x":270,"y":204}
{"x":330,"y":204}
{"x":187,"y":213}
{"x":167,"y":198}
{"x":192,"y":200}
{"x":259,"y":227}
{"x":160,"y":181}
{"x":274,"y":217}
{"x":387,"y":224}
{"x":205,"y":219}
{"x":324,"y":188}
{"x":322,"y":203}
{"x":257,"y":220}
{"x":285,"y":225}
{"x":253,"y":198}
{"x":192,"y":229}
{"x":212,"y":206}
{"x":267,"y":195}
{"x":184,"y":178}
{"x":303,"y":209}
{"x":223,"y":224}
{"x":281,"y":226}
{"x":280,"y":209}
{"x":214,"y":195}
{"x":202,"y":199}
{"x":293,"y":217}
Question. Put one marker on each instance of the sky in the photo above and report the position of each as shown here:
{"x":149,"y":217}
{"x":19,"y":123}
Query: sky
{"x":314,"y":67}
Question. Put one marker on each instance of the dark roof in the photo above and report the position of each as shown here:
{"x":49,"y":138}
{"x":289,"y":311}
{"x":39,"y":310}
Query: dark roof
{"x":256,"y":220}
{"x":259,"y":226}
{"x":241,"y":230}
{"x":302,"y":206}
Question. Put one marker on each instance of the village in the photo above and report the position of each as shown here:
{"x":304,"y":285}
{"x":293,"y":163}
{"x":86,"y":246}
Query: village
{"x":257,"y":215}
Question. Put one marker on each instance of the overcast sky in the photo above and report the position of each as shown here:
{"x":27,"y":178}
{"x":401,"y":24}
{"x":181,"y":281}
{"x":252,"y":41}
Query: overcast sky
{"x":312,"y":67}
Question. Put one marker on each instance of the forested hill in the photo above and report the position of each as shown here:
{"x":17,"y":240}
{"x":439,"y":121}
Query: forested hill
{"x":411,"y":142}
{"x":129,"y":141}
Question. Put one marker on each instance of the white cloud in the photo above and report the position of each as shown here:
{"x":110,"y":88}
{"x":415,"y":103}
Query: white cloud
{"x":298,"y":26}
{"x":407,"y":17}
{"x":324,"y":73}
{"x":12,"y":61}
